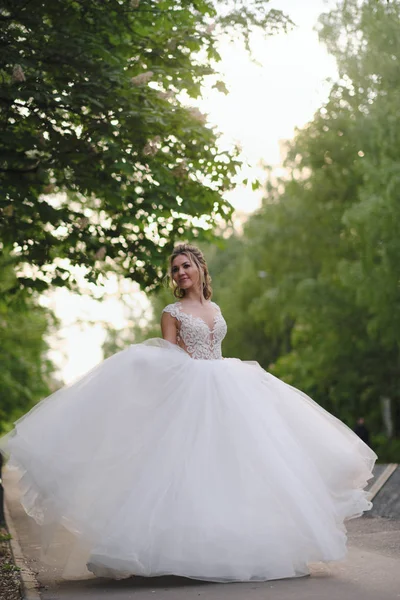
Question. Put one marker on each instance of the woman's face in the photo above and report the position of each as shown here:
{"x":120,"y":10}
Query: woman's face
{"x":184,"y":273}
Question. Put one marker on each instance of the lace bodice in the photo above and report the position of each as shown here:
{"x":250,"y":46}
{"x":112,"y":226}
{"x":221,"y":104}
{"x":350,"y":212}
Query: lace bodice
{"x":195,"y":336}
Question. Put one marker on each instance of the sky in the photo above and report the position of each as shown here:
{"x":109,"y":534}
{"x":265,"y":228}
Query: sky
{"x":268,"y":98}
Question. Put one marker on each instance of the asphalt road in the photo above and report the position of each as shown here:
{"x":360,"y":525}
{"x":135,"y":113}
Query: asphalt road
{"x":370,"y":572}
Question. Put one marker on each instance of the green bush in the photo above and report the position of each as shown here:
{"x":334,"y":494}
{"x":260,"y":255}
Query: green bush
{"x":388,"y":450}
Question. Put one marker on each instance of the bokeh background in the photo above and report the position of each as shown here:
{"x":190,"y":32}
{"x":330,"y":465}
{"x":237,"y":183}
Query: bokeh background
{"x":266,"y":132}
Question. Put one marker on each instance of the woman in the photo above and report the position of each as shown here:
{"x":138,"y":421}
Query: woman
{"x":167,"y":459}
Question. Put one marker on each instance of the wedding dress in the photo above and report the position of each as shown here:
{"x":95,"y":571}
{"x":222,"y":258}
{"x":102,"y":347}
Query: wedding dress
{"x":169,"y":459}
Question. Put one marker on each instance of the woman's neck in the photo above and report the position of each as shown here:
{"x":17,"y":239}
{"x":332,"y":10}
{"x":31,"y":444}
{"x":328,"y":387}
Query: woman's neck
{"x":193,"y":296}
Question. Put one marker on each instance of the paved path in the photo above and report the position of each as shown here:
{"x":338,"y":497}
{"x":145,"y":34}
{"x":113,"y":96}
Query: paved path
{"x":370,"y":572}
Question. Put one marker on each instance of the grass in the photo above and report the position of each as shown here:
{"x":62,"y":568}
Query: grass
{"x":7,"y":567}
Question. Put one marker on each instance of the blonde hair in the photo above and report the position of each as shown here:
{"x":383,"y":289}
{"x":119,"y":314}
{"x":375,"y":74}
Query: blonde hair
{"x":195,"y":256}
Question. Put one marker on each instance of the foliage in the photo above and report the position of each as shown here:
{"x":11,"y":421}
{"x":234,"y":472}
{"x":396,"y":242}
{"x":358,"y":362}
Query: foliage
{"x":388,"y":450}
{"x":311,"y":288}
{"x":25,"y":370}
{"x":238,"y":284}
{"x":103,"y":163}
{"x":138,"y":327}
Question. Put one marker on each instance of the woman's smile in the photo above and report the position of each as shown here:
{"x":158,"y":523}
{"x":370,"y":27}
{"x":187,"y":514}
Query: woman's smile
{"x":184,"y":273}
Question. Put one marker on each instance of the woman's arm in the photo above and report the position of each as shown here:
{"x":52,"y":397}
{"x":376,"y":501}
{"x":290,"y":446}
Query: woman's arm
{"x":168,"y":327}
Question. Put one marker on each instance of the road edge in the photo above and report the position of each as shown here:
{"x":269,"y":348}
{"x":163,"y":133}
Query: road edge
{"x":29,"y":583}
{"x":381,"y":480}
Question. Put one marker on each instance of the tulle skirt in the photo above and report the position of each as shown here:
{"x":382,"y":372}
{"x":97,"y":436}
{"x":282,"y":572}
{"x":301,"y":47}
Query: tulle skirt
{"x":209,"y":469}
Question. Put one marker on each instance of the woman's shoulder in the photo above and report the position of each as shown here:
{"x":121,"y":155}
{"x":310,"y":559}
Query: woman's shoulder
{"x":215,"y":305}
{"x":172,"y":309}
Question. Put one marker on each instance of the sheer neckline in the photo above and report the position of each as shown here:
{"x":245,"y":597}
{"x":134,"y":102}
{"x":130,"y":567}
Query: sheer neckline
{"x":199,"y":339}
{"x":214,"y":322}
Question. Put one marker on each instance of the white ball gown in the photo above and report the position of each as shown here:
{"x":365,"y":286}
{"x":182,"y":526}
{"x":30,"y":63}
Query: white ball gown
{"x":170,"y":461}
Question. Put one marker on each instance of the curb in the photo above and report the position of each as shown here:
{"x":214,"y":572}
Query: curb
{"x":382,"y":479}
{"x":29,"y":583}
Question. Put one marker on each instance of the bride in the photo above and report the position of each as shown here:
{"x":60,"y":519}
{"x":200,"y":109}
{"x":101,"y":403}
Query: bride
{"x":168,"y":459}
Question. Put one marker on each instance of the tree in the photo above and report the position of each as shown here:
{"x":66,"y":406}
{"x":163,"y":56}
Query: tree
{"x":26,"y":372}
{"x":138,"y":327}
{"x":372,"y":271}
{"x":102,"y":160}
{"x":311,"y":289}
